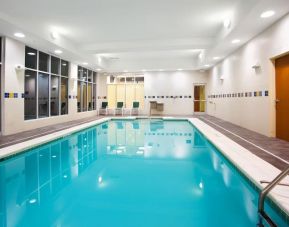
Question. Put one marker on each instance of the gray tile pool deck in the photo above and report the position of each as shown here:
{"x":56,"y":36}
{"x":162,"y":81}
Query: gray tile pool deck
{"x":254,"y":142}
{"x":31,"y":134}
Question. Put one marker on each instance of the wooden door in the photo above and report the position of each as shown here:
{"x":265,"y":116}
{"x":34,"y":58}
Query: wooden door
{"x":199,"y":99}
{"x":282,"y":97}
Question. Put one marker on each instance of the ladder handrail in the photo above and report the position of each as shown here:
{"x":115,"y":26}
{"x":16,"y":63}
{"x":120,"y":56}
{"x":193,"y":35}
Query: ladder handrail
{"x":268,"y":188}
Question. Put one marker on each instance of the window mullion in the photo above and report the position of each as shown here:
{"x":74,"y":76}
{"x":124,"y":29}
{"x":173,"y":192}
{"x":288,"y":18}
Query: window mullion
{"x":37,"y":66}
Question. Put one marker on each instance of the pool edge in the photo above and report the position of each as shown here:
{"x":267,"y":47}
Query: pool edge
{"x":214,"y":137}
{"x":256,"y":172}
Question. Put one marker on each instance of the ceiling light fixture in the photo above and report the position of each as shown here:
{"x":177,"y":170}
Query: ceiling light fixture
{"x":98,"y":69}
{"x":54,"y":35}
{"x":161,"y":70}
{"x":267,"y":14}
{"x":236,"y":41}
{"x":125,"y":71}
{"x":180,"y":69}
{"x":58,"y":52}
{"x":31,"y":53}
{"x":85,"y":63}
{"x":216,"y":58}
{"x":227,"y":23}
{"x":143,"y":70}
{"x":19,"y":35}
{"x":207,"y":65}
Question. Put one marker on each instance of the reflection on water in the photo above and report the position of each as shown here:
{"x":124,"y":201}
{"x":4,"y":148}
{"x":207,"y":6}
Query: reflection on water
{"x":125,"y":173}
{"x":153,"y":140}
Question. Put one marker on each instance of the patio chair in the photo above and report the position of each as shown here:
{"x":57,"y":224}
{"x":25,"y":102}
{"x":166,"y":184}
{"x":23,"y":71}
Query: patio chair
{"x":103,"y":108}
{"x":119,"y":108}
{"x":135,"y":108}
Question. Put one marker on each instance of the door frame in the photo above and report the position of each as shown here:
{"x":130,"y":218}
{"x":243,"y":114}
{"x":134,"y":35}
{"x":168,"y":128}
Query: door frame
{"x":193,"y":96}
{"x":274,"y":96}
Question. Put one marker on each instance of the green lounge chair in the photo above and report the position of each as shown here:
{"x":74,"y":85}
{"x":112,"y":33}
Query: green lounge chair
{"x":119,"y":107}
{"x":103,"y":108}
{"x":135,"y":108}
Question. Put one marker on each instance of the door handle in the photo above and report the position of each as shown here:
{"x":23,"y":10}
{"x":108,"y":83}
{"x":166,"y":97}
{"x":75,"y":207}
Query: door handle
{"x":277,"y":100}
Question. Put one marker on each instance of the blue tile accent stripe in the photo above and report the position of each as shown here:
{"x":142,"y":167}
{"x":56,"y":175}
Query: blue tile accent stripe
{"x":13,"y":95}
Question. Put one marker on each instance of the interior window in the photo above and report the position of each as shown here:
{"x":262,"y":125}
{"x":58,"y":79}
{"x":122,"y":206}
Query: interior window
{"x":54,"y":96}
{"x":43,"y":95}
{"x":64,"y":95}
{"x":30,"y":95}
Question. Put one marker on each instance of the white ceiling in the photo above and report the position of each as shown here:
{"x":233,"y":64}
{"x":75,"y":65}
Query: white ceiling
{"x":132,"y":35}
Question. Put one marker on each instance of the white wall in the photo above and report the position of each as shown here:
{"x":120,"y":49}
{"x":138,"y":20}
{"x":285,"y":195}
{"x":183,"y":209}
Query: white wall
{"x":172,"y":83}
{"x":255,"y":113}
{"x":13,"y":108}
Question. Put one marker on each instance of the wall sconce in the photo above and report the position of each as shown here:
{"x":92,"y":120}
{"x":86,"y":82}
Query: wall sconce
{"x":19,"y":68}
{"x":256,"y":66}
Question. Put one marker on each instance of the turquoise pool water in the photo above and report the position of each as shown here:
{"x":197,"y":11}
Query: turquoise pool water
{"x":126,"y":173}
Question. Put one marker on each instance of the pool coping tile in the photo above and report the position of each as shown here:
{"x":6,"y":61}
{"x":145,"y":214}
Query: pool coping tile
{"x":253,"y":167}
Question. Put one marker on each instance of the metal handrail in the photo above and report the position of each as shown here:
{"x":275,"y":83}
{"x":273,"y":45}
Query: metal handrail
{"x":264,"y":193}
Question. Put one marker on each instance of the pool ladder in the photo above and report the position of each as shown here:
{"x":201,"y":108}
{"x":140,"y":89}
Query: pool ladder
{"x":262,"y":214}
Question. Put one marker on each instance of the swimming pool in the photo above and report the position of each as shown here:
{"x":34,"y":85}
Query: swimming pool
{"x":127,"y":173}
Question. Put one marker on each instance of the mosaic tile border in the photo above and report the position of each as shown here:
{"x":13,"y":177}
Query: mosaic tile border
{"x":13,"y":95}
{"x":241,"y":94}
{"x":72,"y":96}
{"x":168,"y":97}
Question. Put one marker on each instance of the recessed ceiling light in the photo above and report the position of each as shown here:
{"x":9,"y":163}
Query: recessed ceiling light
{"x":227,"y":23}
{"x":125,"y":71}
{"x":54,"y":35}
{"x":19,"y":35}
{"x":180,"y":69}
{"x":267,"y":14}
{"x":161,"y":70}
{"x":236,"y":41}
{"x":207,"y":65}
{"x":216,"y":58}
{"x":85,"y":63}
{"x":143,"y":70}
{"x":31,"y":53}
{"x":98,"y":69}
{"x":58,"y":52}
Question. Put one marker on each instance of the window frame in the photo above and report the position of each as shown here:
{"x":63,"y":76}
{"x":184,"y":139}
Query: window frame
{"x":92,"y":83}
{"x":50,"y":74}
